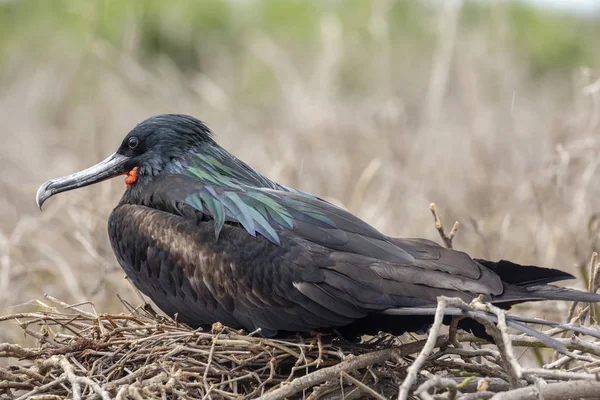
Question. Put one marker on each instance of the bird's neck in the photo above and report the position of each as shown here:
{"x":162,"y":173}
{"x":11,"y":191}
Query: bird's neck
{"x":134,"y":191}
{"x":210,"y":164}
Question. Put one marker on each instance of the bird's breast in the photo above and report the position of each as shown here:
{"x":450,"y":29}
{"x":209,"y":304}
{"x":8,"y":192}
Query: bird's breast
{"x":175,"y":262}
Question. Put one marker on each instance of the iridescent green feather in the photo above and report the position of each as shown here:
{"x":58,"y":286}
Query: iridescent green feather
{"x":238,"y":210}
{"x":216,"y":209}
{"x":273,"y":209}
{"x":234,"y":192}
{"x":264,"y":228}
{"x":195,"y":202}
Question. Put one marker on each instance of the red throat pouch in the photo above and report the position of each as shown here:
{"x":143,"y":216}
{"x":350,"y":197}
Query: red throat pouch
{"x":132,"y":177}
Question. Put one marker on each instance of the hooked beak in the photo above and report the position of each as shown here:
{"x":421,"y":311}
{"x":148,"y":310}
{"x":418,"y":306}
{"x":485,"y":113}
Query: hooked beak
{"x":112,"y":166}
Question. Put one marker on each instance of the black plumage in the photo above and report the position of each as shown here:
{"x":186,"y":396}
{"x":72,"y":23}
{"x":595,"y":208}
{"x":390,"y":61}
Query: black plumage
{"x":209,"y":239}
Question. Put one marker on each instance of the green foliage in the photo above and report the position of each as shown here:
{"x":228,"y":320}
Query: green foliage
{"x":548,"y":41}
{"x":192,"y":32}
{"x":554,"y":41}
{"x":293,"y":20}
{"x":178,"y":30}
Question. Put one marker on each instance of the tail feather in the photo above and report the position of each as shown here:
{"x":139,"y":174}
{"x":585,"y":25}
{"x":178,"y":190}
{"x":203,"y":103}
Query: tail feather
{"x":524,"y":275}
{"x":569,"y":327}
{"x":518,"y":294}
{"x":521,"y":283}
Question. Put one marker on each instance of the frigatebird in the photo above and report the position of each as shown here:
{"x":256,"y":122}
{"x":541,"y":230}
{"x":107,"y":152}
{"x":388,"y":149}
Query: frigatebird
{"x":209,"y":239}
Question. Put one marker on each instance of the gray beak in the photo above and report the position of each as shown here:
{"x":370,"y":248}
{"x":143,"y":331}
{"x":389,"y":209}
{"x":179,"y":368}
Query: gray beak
{"x":112,"y":166}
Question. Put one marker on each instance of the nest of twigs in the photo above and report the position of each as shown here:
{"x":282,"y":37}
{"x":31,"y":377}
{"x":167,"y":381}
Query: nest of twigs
{"x":84,"y":354}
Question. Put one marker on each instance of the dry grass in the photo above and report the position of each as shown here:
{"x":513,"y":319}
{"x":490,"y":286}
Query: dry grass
{"x":514,"y":158}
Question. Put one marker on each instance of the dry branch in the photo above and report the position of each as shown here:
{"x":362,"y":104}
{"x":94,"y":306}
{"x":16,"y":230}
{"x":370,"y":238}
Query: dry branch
{"x":553,"y":391}
{"x":440,"y":227}
{"x":416,"y":366}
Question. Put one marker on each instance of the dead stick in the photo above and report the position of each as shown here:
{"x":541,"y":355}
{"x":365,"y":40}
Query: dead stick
{"x":440,"y":227}
{"x":430,"y":344}
{"x":553,"y":391}
{"x":322,"y":375}
{"x":364,"y":388}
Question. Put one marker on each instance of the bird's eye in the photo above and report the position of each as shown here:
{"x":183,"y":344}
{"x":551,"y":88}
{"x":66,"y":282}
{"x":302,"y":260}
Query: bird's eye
{"x":133,"y":142}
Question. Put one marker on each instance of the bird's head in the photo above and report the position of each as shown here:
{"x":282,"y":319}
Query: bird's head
{"x":143,"y":154}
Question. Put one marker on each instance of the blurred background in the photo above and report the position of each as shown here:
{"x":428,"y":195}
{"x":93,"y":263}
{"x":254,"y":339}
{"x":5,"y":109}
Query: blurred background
{"x":490,"y":109}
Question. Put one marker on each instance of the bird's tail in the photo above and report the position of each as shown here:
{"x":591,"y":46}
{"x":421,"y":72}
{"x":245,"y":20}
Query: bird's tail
{"x":531,"y":283}
{"x":517,"y":294}
{"x":521,"y":283}
{"x":524,"y":275}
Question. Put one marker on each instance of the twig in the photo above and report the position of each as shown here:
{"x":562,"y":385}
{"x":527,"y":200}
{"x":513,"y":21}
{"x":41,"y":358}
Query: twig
{"x":324,"y":374}
{"x":439,"y":383}
{"x":593,"y":286}
{"x":592,"y":283}
{"x":14,"y":350}
{"x":42,"y":388}
{"x":560,"y":375}
{"x":485,"y":395}
{"x":502,"y":339}
{"x":440,"y":227}
{"x":527,"y":341}
{"x":553,"y":391}
{"x":416,"y":366}
{"x":364,"y":388}
{"x":75,"y":380}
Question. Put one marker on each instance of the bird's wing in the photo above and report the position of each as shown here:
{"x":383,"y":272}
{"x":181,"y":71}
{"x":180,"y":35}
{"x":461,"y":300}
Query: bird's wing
{"x":359,"y":250}
{"x":269,"y":212}
{"x":231,"y":191}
